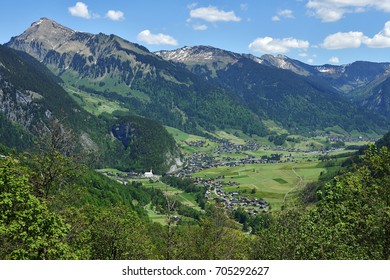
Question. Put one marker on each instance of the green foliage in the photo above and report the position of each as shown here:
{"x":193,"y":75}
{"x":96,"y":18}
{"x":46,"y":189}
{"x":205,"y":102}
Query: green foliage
{"x":147,"y":144}
{"x":278,"y":139}
{"x":14,"y":136}
{"x":28,"y":230}
{"x":118,"y":234}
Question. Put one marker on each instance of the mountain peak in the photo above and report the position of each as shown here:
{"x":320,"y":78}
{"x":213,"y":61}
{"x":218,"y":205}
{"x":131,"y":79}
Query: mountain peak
{"x":47,"y":24}
{"x":199,"y":54}
{"x":49,"y":33}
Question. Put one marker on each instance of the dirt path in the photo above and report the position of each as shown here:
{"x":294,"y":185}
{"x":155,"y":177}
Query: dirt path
{"x":295,"y":187}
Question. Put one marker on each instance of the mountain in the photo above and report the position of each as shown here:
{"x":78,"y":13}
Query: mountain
{"x":377,"y":97}
{"x":345,"y":78}
{"x":287,"y":91}
{"x":107,"y":66}
{"x":365,"y":83}
{"x":31,"y":100}
{"x":193,"y":88}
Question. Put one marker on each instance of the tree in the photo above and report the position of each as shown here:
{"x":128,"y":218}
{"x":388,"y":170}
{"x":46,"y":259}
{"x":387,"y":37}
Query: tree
{"x":216,"y":237}
{"x":28,"y":230}
{"x":54,"y":167}
{"x":118,"y":234}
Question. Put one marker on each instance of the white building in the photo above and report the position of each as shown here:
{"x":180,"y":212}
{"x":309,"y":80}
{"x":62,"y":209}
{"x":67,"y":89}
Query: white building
{"x":149,"y":174}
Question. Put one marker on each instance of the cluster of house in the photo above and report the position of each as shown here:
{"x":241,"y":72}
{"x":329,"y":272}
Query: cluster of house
{"x":198,"y":143}
{"x":231,"y":200}
{"x":342,"y":138}
{"x":200,"y":161}
{"x":225,"y":146}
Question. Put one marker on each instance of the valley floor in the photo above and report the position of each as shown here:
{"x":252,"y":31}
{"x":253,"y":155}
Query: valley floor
{"x":255,"y":176}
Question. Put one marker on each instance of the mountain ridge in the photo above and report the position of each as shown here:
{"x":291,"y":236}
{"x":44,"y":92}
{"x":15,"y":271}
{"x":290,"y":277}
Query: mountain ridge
{"x":200,"y":88}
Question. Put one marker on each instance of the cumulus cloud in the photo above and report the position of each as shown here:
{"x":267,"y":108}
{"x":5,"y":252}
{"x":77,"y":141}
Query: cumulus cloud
{"x":334,"y":59}
{"x":380,"y":40}
{"x":80,"y":10}
{"x":156,"y":39}
{"x":115,"y":15}
{"x":213,"y":14}
{"x":354,"y":39}
{"x":334,"y":10}
{"x":283,"y":14}
{"x":271,"y":45}
{"x":343,"y":40}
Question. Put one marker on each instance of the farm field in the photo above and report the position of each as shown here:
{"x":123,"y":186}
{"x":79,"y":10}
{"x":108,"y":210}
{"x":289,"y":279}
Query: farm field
{"x":275,"y":183}
{"x":174,"y":193}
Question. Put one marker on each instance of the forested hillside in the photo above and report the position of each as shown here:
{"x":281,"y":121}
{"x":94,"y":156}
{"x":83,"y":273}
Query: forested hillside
{"x":33,"y":103}
{"x":297,"y":97}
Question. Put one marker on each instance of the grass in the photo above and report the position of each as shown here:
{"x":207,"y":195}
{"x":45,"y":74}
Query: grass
{"x":155,"y":217}
{"x":185,"y":198}
{"x":93,"y":103}
{"x":271,"y":181}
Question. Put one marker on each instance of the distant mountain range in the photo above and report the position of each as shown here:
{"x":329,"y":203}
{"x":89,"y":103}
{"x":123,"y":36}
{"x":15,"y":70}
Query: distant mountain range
{"x":205,"y":88}
{"x":356,"y":80}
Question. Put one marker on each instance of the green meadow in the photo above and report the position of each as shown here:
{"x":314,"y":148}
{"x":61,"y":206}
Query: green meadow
{"x":276,"y":183}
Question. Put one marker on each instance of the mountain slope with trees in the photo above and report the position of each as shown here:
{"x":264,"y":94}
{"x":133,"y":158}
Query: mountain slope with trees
{"x":299,"y":103}
{"x":33,"y":104}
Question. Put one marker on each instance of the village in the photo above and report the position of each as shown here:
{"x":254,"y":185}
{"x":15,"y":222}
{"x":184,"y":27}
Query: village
{"x":233,"y":199}
{"x":199,"y":161}
{"x":215,"y":153}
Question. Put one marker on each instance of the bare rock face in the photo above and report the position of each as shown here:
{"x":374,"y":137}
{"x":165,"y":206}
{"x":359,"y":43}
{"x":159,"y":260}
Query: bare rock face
{"x":42,"y":36}
{"x":91,"y":55}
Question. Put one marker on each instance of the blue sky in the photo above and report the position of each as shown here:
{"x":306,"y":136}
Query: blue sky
{"x":313,"y":31}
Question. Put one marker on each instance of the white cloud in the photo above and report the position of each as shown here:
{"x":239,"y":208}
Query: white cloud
{"x":355,"y":39}
{"x":115,"y":15}
{"x":200,"y":27}
{"x":380,"y":40}
{"x":156,"y":39}
{"x":212,"y":14}
{"x":286,"y":13}
{"x":271,"y":45}
{"x":80,"y":10}
{"x":310,"y":61}
{"x":283,"y":14}
{"x":334,"y":59}
{"x":334,"y":10}
{"x":303,"y":54}
{"x":342,"y":40}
